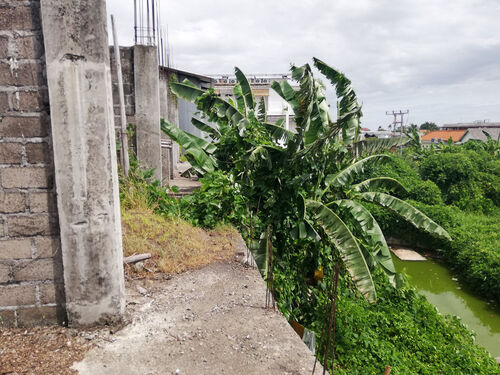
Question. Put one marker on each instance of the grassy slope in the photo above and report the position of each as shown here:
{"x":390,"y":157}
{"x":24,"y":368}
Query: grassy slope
{"x":174,"y":244}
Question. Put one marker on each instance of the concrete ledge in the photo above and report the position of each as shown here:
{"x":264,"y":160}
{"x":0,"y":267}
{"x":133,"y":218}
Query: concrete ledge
{"x":407,"y":254}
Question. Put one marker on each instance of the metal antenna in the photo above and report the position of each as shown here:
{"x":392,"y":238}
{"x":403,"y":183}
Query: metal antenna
{"x":153,"y":16}
{"x":135,"y":21}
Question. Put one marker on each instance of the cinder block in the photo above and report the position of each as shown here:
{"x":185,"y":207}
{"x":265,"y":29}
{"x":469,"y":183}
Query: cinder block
{"x":52,"y":293}
{"x":7,"y":319}
{"x":4,"y":102}
{"x":34,"y":270}
{"x":11,"y":126}
{"x":29,"y":101}
{"x":22,"y":74}
{"x":29,"y":47}
{"x":4,"y":273}
{"x":47,"y":247}
{"x":38,"y":153}
{"x":20,"y":17}
{"x":4,"y":45}
{"x":32,"y":225}
{"x":11,"y":153}
{"x":42,"y":202}
{"x":26,"y":177}
{"x":12,"y":202}
{"x":15,"y":249}
{"x":37,"y":316}
{"x":17,"y":295}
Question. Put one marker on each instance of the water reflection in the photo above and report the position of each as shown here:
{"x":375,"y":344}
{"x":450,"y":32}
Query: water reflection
{"x":437,"y":284}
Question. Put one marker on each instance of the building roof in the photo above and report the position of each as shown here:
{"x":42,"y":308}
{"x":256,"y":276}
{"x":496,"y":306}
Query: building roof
{"x":477,"y":133}
{"x":467,"y":125}
{"x":202,"y":78}
{"x":444,"y":135}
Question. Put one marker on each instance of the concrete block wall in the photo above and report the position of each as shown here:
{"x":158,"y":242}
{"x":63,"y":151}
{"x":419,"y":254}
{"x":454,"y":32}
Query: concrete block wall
{"x":31,"y":289}
{"x":135,"y":92}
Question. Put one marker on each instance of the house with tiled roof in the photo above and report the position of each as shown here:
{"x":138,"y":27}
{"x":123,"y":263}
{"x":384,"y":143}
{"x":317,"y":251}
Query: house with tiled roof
{"x":441,"y":136}
{"x":478,"y":134}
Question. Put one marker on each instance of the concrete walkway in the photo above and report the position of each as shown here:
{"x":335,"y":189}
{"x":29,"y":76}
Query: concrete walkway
{"x":208,"y":321}
{"x":407,"y":254}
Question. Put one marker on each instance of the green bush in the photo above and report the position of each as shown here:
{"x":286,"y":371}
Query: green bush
{"x":417,"y":189}
{"x":469,"y":178}
{"x":404,"y":331}
{"x":219,"y":200}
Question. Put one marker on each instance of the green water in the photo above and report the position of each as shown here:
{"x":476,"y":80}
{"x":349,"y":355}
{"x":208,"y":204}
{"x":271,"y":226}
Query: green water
{"x":441,"y":289}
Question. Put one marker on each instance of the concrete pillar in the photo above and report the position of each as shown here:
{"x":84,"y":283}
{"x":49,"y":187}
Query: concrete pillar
{"x":81,"y":110}
{"x":147,"y":108}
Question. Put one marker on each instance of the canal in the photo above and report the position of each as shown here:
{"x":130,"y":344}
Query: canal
{"x":442,"y":289}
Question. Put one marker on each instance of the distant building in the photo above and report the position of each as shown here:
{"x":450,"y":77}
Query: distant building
{"x":476,"y":134}
{"x":442,"y":136}
{"x":276,"y":107}
{"x":470,"y":125}
{"x":378,"y":133}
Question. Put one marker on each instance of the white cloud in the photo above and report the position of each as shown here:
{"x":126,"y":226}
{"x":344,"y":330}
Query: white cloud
{"x":440,"y":59}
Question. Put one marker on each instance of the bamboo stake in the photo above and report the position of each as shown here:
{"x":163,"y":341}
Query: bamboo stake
{"x":123,"y":119}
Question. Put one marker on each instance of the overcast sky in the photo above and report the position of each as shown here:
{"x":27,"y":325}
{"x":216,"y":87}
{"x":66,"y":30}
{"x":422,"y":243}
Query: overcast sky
{"x":439,"y":59}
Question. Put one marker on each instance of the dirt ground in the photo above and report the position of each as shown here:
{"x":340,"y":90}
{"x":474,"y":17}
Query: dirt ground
{"x":45,"y":350}
{"x":208,"y":321}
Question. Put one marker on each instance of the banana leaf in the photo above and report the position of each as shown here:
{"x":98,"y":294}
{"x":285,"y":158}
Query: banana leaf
{"x":186,"y":90}
{"x":371,"y":146}
{"x":370,"y":227}
{"x":347,"y":245}
{"x":197,"y":148}
{"x":379,"y":182}
{"x":262,"y":111}
{"x":348,"y":174}
{"x":278,"y":132}
{"x":348,"y":100}
{"x":406,"y":211}
{"x":240,"y":99}
{"x":214,"y":133}
{"x":245,"y":88}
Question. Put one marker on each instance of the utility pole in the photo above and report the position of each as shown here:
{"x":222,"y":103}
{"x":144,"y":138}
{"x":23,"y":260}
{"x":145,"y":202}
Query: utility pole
{"x":400,"y":122}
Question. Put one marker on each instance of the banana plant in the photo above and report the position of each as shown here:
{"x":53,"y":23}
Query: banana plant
{"x":312,"y":173}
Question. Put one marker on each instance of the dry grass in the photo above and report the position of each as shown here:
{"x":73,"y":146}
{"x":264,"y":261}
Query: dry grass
{"x":174,"y":244}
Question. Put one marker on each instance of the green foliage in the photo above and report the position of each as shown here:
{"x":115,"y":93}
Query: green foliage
{"x":314,"y":197}
{"x":219,"y":200}
{"x":468,"y":179}
{"x":416,"y":189}
{"x":404,"y":331}
{"x":429,"y":126}
{"x":140,"y":188}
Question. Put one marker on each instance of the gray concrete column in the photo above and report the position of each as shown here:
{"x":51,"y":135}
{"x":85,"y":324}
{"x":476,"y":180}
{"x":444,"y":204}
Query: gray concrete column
{"x":147,"y":108}
{"x":81,"y":110}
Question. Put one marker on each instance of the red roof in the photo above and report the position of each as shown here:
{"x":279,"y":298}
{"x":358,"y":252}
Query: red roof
{"x":444,"y":135}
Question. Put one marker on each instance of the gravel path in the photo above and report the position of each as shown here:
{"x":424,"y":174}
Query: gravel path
{"x":207,"y":321}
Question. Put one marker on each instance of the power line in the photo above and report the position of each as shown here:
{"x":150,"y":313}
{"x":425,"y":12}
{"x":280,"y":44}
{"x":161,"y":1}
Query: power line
{"x":401,"y":115}
{"x":401,"y":122}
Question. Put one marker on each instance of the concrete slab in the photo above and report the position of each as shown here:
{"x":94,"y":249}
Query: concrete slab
{"x":208,"y":321}
{"x":407,"y":254}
